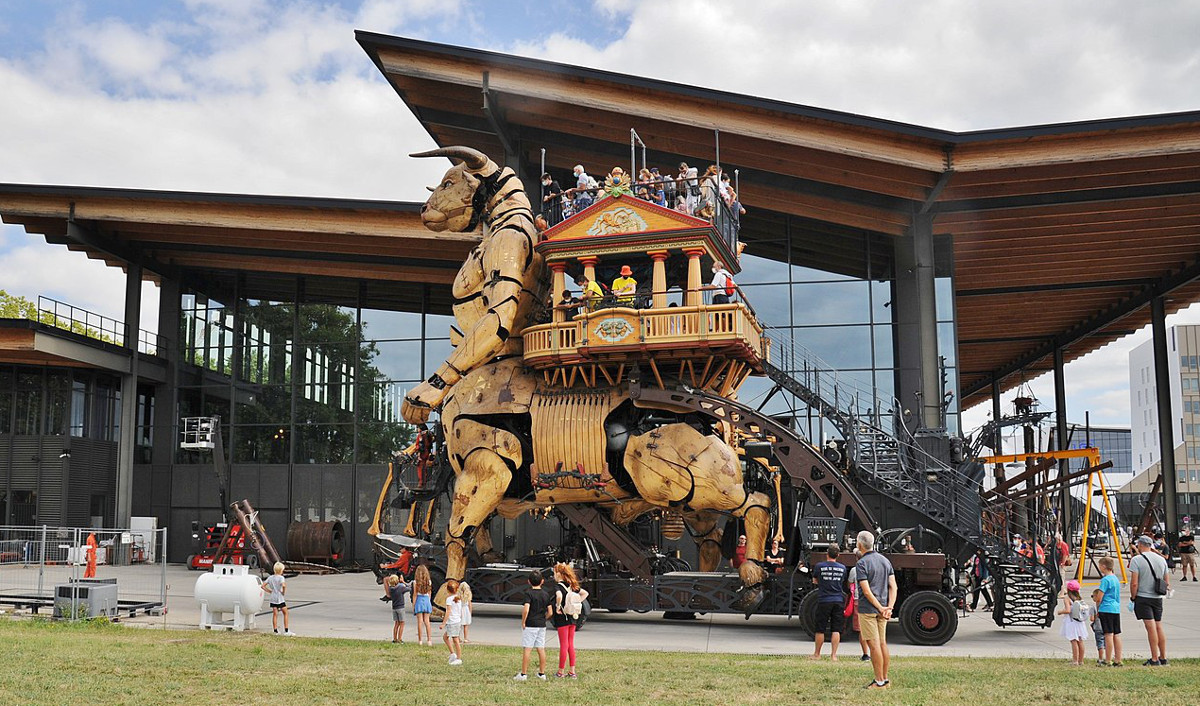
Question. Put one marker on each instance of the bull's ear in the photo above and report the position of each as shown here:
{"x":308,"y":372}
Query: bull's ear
{"x":472,"y":158}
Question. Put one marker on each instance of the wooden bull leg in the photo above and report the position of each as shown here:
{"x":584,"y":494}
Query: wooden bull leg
{"x":757,"y":515}
{"x":707,"y":533}
{"x":485,"y":453}
{"x":477,"y":491}
{"x":427,"y":528}
{"x":630,"y":510}
{"x":677,"y":465}
{"x":410,"y":529}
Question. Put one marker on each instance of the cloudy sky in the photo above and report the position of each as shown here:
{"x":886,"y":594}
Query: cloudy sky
{"x":275,"y":97}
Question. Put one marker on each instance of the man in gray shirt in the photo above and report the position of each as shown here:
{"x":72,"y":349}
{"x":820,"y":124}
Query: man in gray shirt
{"x":876,"y":596}
{"x":1145,"y":568}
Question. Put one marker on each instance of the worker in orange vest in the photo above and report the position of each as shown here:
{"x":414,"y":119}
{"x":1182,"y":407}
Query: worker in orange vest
{"x":92,"y":546}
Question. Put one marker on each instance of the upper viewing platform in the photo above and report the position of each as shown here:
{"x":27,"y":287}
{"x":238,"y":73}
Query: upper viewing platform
{"x":638,"y":267}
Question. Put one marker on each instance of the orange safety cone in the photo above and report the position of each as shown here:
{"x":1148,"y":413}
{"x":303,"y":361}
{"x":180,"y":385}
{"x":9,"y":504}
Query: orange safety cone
{"x":92,"y":546}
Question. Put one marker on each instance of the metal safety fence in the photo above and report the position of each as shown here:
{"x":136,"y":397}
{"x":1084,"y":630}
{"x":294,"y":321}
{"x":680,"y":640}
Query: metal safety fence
{"x":79,"y":573}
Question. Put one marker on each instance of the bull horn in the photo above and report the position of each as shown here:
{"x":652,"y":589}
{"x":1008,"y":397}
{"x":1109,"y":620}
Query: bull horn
{"x":472,"y":158}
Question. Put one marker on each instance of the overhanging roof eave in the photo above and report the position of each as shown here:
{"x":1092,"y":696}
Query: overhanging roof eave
{"x":371,"y":42}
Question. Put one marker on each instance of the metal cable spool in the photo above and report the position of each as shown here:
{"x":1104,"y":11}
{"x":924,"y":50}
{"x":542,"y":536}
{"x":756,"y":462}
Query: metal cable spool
{"x":316,"y":542}
{"x":671,"y":525}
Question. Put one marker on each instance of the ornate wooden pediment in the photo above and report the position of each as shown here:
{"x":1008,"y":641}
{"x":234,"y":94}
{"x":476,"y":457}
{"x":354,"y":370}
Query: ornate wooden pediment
{"x":624,"y":223}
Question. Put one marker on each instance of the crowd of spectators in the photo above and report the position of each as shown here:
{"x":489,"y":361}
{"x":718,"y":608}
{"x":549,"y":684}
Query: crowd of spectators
{"x":687,"y":192}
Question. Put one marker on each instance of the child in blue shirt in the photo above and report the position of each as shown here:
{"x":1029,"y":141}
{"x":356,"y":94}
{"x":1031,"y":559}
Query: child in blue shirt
{"x":1110,"y":612}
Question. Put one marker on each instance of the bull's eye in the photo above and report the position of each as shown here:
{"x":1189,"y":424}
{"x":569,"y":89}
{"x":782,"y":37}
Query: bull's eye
{"x":447,"y":184}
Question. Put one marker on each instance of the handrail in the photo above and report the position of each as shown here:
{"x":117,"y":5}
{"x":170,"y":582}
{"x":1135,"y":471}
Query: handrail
{"x":92,"y":325}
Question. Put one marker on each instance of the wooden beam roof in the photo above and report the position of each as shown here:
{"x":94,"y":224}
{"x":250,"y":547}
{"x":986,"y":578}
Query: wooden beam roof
{"x":1060,"y":233}
{"x":201,"y":237}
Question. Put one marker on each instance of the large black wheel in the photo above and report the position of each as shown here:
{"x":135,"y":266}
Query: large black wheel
{"x":808,"y":613}
{"x":928,"y":618}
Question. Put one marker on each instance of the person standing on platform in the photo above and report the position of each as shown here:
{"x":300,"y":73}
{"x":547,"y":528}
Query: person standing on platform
{"x":876,"y":598}
{"x":590,"y":293}
{"x":624,"y":288}
{"x":722,"y":284}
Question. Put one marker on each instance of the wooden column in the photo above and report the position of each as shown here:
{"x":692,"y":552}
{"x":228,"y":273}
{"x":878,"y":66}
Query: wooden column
{"x":694,"y":297}
{"x":558,"y":286}
{"x":658,"y":282}
{"x":589,"y":267}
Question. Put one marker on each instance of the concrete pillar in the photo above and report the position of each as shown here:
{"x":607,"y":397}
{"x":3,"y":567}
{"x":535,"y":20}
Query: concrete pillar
{"x":659,"y":280}
{"x":129,"y":397}
{"x":918,"y":383}
{"x":694,"y":297}
{"x":558,"y":286}
{"x":1166,"y":427}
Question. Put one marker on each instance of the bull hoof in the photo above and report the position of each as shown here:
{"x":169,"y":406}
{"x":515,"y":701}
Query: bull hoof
{"x":750,"y":600}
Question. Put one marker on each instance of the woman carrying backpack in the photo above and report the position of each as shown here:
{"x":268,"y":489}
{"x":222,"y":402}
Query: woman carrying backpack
{"x":568,"y":604}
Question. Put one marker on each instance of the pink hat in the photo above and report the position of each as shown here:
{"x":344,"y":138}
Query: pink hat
{"x":625,"y":271}
{"x":1073,"y":585}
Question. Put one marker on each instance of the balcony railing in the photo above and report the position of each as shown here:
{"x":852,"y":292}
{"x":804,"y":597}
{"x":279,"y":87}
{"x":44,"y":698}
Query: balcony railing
{"x":92,"y":325}
{"x":686,"y":329}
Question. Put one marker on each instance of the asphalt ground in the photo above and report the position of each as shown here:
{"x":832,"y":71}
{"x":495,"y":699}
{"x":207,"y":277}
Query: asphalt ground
{"x":348,"y":606}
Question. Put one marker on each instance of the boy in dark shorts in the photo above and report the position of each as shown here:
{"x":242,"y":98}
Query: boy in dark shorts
{"x":1109,"y":610}
{"x":831,"y":602}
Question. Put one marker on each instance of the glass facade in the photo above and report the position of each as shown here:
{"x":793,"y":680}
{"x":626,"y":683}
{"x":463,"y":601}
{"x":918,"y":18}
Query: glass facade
{"x":836,"y":331}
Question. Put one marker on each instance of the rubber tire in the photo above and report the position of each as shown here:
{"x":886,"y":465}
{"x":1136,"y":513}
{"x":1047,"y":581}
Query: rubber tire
{"x":920,"y":602}
{"x":189,"y":564}
{"x":808,"y":612}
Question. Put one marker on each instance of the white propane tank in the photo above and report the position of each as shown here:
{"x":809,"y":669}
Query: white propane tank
{"x":230,"y":588}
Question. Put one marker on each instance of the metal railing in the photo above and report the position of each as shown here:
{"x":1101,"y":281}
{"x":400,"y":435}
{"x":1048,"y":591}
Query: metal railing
{"x":92,"y":325}
{"x":47,"y":568}
{"x":686,"y":195}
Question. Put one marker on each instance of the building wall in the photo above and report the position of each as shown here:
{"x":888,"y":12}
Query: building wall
{"x":58,"y":446}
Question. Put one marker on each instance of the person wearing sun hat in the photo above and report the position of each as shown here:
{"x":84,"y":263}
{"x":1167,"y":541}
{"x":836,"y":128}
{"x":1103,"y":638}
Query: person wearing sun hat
{"x":1076,"y":616}
{"x":624,"y":288}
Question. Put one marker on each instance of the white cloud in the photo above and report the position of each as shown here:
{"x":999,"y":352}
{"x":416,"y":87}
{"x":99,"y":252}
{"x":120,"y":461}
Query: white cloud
{"x":942,"y":63}
{"x":33,"y":269}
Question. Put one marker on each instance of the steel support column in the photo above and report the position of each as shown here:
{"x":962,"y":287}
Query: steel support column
{"x":1060,"y":415}
{"x":129,"y":395}
{"x":918,"y":383}
{"x":1166,"y":426}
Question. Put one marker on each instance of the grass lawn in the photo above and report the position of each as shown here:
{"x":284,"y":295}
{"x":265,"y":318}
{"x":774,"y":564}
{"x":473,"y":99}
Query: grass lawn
{"x":53,"y":663}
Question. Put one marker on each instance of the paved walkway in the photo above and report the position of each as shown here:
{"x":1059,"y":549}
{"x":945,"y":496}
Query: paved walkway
{"x":347,"y":605}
